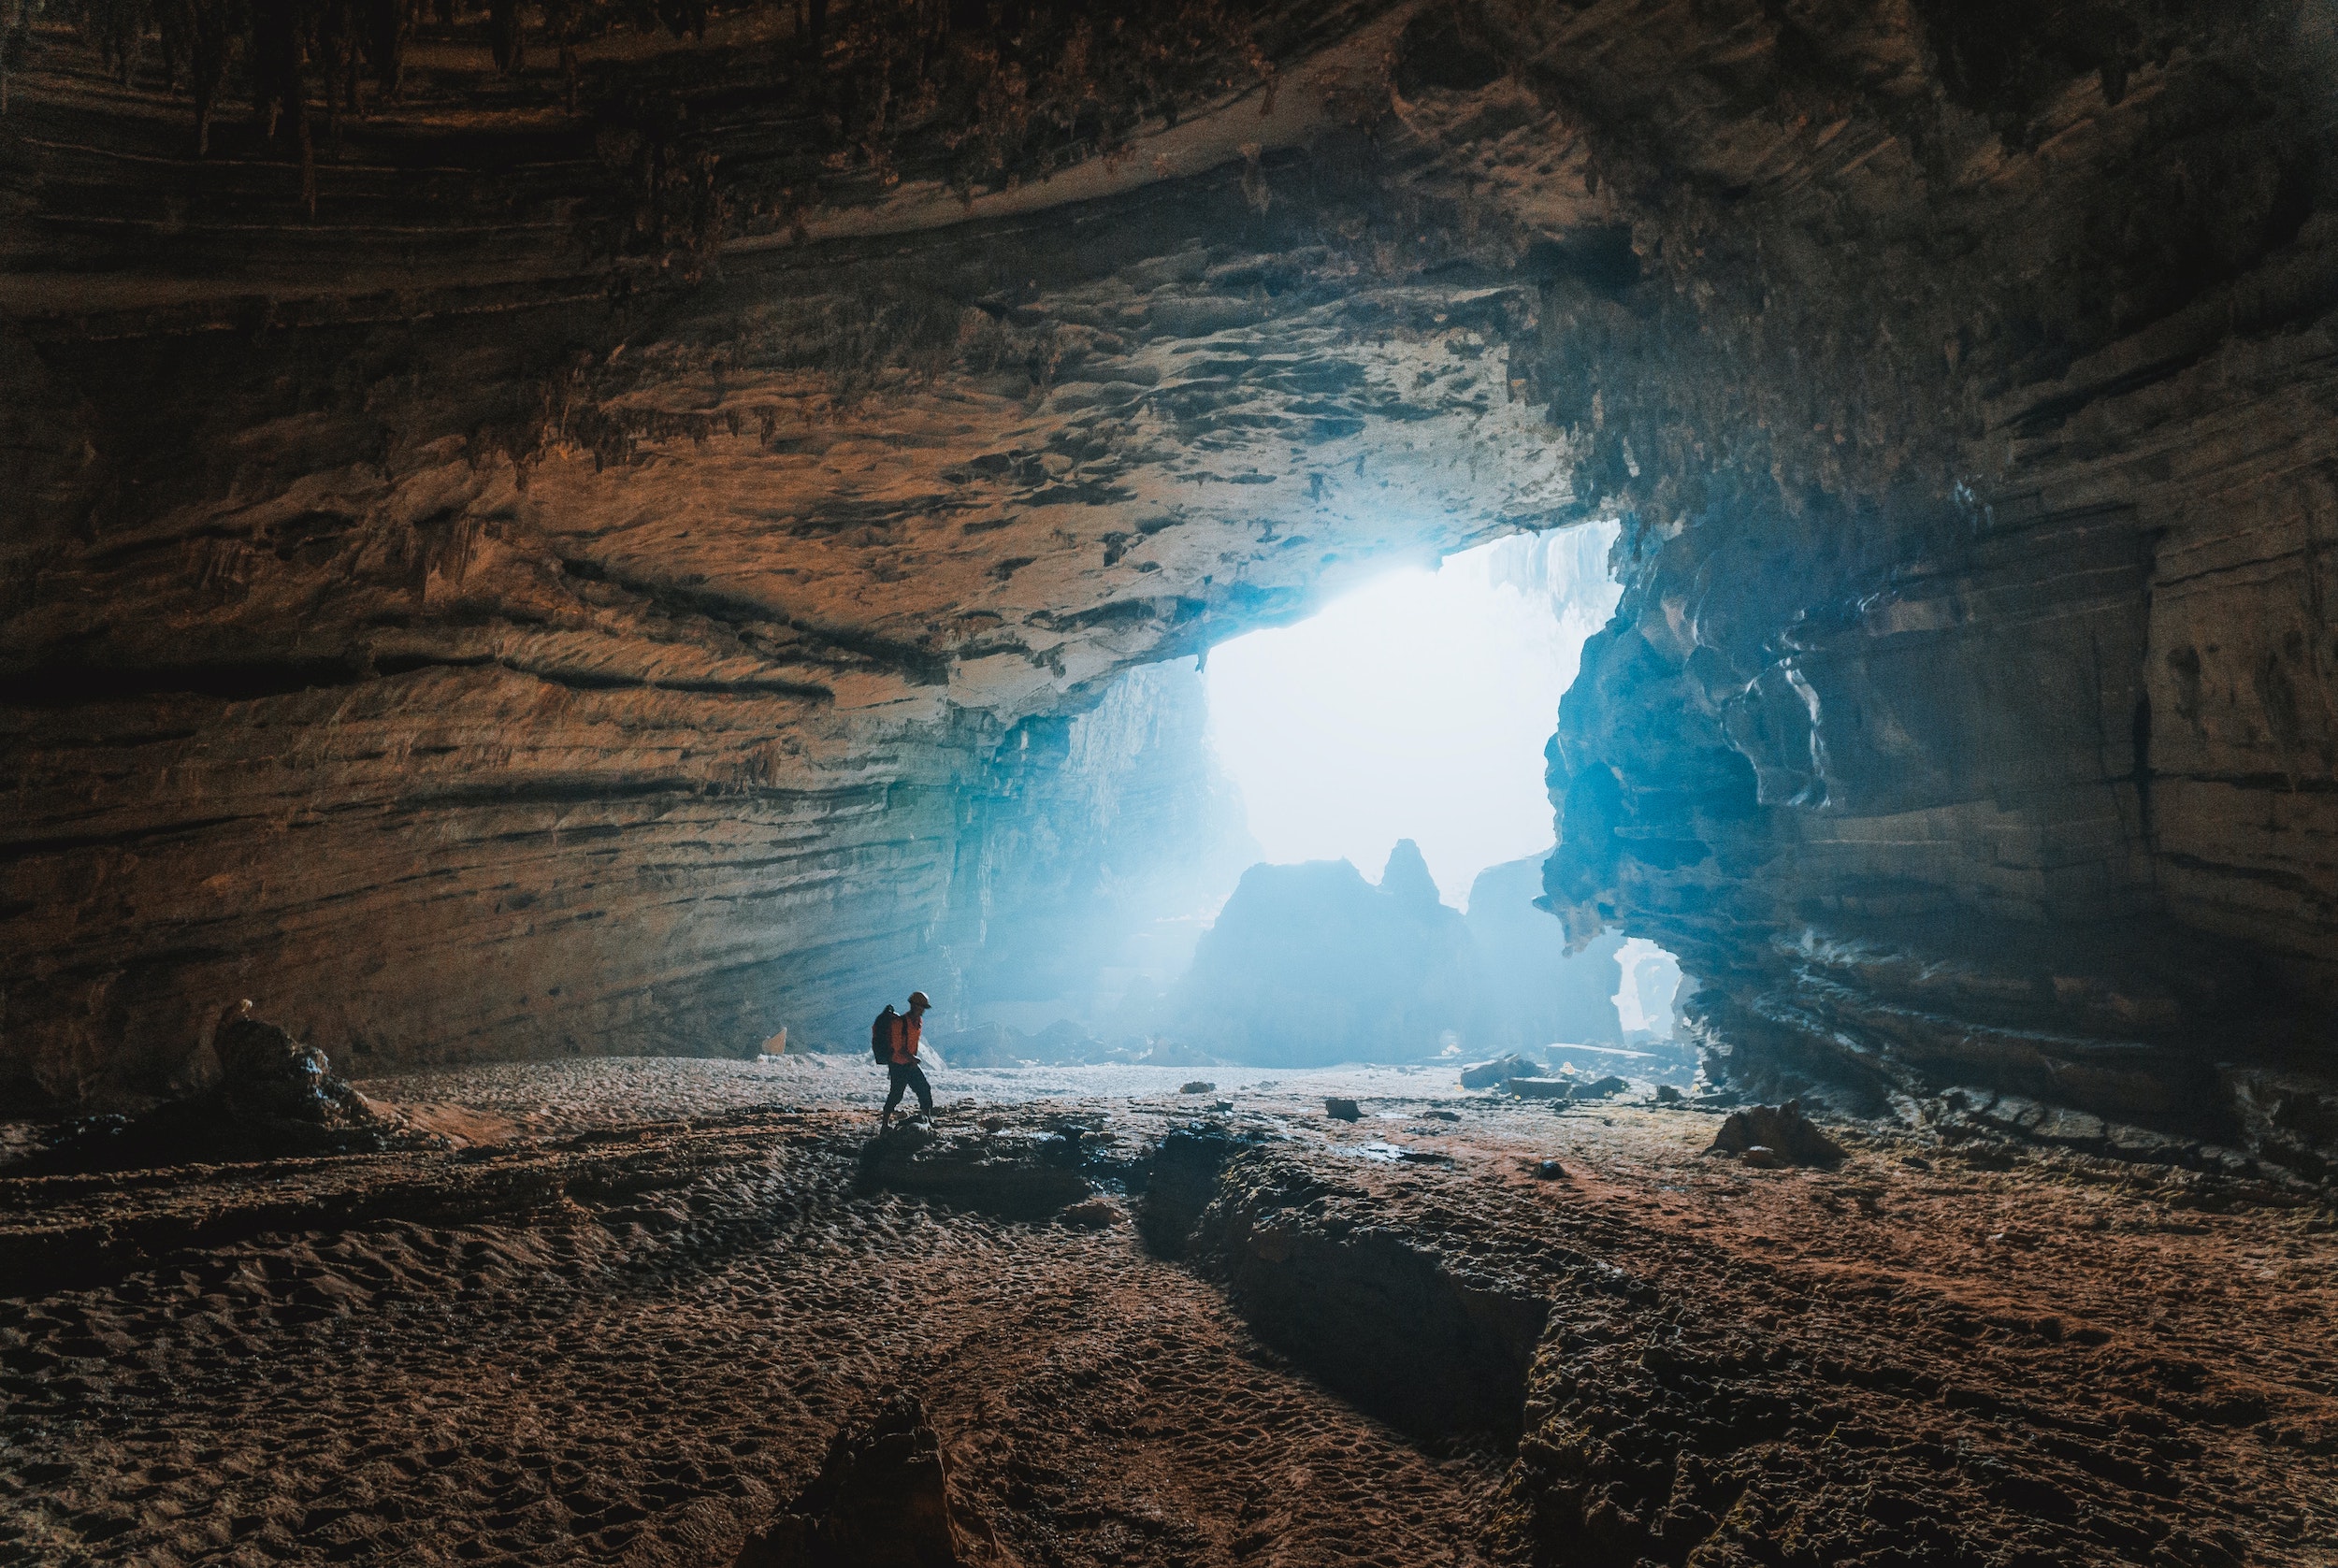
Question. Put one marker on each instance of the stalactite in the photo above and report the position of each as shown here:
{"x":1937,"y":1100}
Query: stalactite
{"x":16,"y":36}
{"x":213,"y":26}
{"x":388,"y":24}
{"x":504,"y":39}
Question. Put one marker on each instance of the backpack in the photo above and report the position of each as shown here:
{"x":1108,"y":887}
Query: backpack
{"x":881,"y":1036}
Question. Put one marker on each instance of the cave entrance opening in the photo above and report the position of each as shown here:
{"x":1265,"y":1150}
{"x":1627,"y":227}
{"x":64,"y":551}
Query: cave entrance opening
{"x":1416,"y":709}
{"x":1323,"y":845}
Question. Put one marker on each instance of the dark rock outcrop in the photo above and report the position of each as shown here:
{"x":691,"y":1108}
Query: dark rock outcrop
{"x":881,"y":1500}
{"x":1385,"y":1321}
{"x":1023,"y":1172}
{"x":1485,"y":1074}
{"x":1310,"y":964}
{"x":274,"y":1099}
{"x":1782,"y":1130}
{"x":2291,"y":1118}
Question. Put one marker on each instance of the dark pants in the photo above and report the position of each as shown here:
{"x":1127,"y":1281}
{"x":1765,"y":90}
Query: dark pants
{"x":908,"y":1075}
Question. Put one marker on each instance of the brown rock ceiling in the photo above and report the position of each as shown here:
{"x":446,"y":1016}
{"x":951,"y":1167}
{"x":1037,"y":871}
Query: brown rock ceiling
{"x":567,"y":569}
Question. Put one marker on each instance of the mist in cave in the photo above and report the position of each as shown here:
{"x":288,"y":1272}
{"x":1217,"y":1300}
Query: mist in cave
{"x":1600,"y":742}
{"x":1401,"y":731}
{"x":1415,"y":707}
{"x":1326,"y":844}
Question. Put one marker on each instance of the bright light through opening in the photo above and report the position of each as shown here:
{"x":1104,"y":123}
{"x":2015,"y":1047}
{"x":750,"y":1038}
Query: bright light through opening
{"x":1416,"y":708}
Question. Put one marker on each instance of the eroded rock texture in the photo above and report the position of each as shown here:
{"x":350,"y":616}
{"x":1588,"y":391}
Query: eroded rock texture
{"x":1967,"y":716}
{"x":493,"y":665}
{"x":554,"y":561}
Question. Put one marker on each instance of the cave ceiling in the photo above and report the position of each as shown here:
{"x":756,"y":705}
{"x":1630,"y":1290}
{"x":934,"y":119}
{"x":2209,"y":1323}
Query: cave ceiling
{"x":529,"y":528}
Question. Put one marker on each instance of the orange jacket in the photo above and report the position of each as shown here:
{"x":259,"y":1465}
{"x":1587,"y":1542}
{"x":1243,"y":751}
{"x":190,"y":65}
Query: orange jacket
{"x":905,"y":1032}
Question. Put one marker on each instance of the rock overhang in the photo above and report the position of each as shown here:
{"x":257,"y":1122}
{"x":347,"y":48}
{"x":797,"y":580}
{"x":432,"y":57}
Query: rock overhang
{"x":899,"y":473}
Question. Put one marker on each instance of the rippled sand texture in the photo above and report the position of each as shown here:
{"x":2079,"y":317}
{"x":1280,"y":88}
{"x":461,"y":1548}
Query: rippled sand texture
{"x":617,"y":1335}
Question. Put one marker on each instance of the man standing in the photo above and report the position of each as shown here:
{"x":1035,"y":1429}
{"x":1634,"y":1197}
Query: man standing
{"x":902,"y":1068}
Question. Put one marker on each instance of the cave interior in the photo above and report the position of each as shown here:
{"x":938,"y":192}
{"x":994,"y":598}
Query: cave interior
{"x":557,"y":555}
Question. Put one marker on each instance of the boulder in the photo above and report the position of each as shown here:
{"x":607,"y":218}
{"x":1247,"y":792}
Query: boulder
{"x":1006,"y":1170}
{"x":2288,"y":1116}
{"x":1782,"y":1134}
{"x":880,"y":1501}
{"x":1486,"y":1074}
{"x":1539,"y":1088}
{"x":1340,"y":1109}
{"x":275,"y":1098}
{"x":1601,"y":1088}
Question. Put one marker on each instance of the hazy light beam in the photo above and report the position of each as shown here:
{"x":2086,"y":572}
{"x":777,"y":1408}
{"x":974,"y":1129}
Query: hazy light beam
{"x":1415,"y":707}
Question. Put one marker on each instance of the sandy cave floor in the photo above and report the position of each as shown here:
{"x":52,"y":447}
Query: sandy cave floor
{"x":623,"y":1325}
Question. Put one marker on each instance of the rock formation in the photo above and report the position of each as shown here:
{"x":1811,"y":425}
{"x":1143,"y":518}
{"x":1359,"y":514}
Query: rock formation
{"x":1780,"y":1133}
{"x":881,"y":1500}
{"x":505,"y":653}
{"x":1531,"y":991}
{"x":588,"y":547}
{"x":1101,"y":846}
{"x":271,"y":1098}
{"x":1310,"y":964}
{"x":1967,"y":717}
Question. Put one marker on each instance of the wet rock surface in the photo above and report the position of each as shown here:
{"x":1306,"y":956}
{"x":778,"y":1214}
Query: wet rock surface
{"x":616,"y":1340}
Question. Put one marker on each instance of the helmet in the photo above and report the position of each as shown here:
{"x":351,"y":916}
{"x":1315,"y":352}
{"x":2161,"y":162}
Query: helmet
{"x":918,"y":998}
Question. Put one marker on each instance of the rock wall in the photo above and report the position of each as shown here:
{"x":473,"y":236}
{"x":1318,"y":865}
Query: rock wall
{"x":462,"y":645}
{"x":1967,"y":718}
{"x":545,"y":558}
{"x":1098,"y":849}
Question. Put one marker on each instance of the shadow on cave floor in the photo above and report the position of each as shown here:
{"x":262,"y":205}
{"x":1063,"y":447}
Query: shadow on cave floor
{"x":626,"y":1329}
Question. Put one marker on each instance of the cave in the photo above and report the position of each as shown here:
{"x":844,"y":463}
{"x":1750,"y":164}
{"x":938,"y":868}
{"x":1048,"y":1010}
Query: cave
{"x":555,"y":558}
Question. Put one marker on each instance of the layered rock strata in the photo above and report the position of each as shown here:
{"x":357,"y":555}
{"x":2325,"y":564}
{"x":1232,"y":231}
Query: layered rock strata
{"x":418,"y":599}
{"x":485,"y":668}
{"x":1967,"y":719}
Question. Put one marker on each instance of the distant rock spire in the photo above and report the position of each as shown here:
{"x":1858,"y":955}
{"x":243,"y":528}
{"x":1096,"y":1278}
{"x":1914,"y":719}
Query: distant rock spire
{"x":1406,"y":876}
